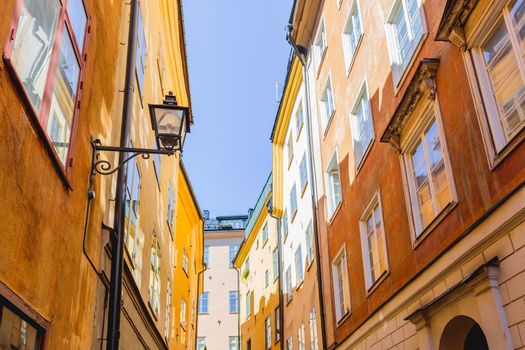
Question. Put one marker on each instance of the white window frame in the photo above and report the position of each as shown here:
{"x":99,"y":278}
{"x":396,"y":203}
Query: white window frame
{"x":299,"y":112}
{"x":418,"y":122}
{"x":370,"y":282}
{"x":309,"y":239}
{"x":303,"y":166}
{"x":399,"y":67}
{"x":326,"y":120}
{"x":268,"y":332}
{"x":341,"y":259}
{"x":318,"y":54}
{"x":314,"y":339}
{"x":299,"y":265}
{"x":301,"y":341}
{"x":289,"y":149}
{"x":349,"y":54}
{"x":496,"y":143}
{"x":332,"y":206}
{"x":362,"y":93}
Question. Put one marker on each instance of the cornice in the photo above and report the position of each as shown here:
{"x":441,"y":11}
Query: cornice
{"x":454,"y":17}
{"x":423,"y":84}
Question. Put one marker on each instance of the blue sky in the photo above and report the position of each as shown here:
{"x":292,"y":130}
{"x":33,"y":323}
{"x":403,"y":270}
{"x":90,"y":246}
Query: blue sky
{"x":236,"y":52}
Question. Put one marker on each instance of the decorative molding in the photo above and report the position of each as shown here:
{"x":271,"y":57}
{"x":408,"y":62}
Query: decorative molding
{"x":423,"y":84}
{"x":454,"y":17}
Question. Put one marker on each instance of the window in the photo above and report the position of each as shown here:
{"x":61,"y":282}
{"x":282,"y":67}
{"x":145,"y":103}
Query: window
{"x":499,"y":61}
{"x":185,"y":260}
{"x":289,"y":149}
{"x":248,"y":304}
{"x":18,"y":332}
{"x":426,"y":164}
{"x":340,"y":278}
{"x":246,"y":270}
{"x":327,"y":104}
{"x":183,"y":313}
{"x":132,"y":207}
{"x":203,"y":303}
{"x":268,"y":332}
{"x":234,"y":302}
{"x":405,"y":29}
{"x":314,"y":339}
{"x":201,"y":343}
{"x":321,"y":44}
{"x":50,"y":73}
{"x":141,"y":53}
{"x":206,"y":255}
{"x":249,"y":344}
{"x":233,"y":253}
{"x":275,"y":258}
{"x":266,"y":278}
{"x":373,"y":243}
{"x":285,"y":224}
{"x":157,"y":165}
{"x":333,"y":184}
{"x":352,"y":33}
{"x":277,"y":321}
{"x":154,"y":277}
{"x":303,"y":173}
{"x":299,"y":119}
{"x":298,"y":265}
{"x":171,"y":206}
{"x":362,"y":126}
{"x":289,"y":292}
{"x":168,"y":311}
{"x":233,"y":343}
{"x":289,"y":343}
{"x":293,"y":201}
{"x":309,"y":244}
{"x":300,"y":338}
{"x":265,"y":234}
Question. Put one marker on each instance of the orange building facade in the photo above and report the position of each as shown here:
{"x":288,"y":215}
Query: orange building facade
{"x":418,"y":152}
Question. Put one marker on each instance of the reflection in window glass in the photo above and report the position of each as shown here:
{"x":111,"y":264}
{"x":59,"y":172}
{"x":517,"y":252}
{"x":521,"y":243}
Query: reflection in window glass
{"x":16,"y":333}
{"x":63,"y":98}
{"x":32,"y":46}
{"x":77,"y":14}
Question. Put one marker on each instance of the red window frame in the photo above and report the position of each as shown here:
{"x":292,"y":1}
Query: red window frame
{"x":39,"y":119}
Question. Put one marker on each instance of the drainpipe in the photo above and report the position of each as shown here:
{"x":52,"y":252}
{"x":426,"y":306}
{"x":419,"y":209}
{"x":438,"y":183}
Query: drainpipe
{"x":198,"y":288}
{"x":279,"y":270}
{"x":117,"y":241}
{"x":301,"y":51}
{"x":238,"y":306}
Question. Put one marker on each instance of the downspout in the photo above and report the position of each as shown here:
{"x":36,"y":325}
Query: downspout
{"x":279,"y":271}
{"x":117,"y":242}
{"x":238,"y":307}
{"x":198,"y":289}
{"x":301,"y":55}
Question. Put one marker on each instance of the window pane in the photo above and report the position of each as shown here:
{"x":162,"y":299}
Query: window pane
{"x":401,"y":34}
{"x":437,"y":166}
{"x":63,"y":98}
{"x":33,"y":44}
{"x":77,"y":15}
{"x":15,"y":333}
{"x":507,"y":84}
{"x":424,"y":196}
{"x":518,"y":17}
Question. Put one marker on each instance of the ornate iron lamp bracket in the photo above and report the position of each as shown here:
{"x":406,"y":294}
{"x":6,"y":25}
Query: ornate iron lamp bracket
{"x":104,"y":167}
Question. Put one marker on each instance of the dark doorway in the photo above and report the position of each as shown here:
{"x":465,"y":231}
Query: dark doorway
{"x":476,"y":339}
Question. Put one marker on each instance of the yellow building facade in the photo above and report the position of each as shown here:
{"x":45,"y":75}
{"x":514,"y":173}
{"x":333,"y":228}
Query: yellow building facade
{"x":258,"y":265}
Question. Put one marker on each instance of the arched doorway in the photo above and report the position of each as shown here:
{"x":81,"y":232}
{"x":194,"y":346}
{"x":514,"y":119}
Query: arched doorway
{"x":463,"y":333}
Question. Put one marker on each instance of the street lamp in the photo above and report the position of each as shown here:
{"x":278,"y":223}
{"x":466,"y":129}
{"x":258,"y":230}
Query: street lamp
{"x":170,"y":123}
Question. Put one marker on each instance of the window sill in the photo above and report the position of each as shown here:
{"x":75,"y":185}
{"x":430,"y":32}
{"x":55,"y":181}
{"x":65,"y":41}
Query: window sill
{"x":290,"y":162}
{"x":507,"y":150}
{"x":343,"y":318}
{"x":328,"y":124}
{"x":289,"y":300}
{"x":376,"y":283}
{"x":309,"y":265}
{"x":301,"y":283}
{"x":321,"y":60}
{"x":293,"y":216}
{"x":304,"y":189}
{"x":365,"y":155}
{"x":354,"y":55}
{"x":331,"y":218}
{"x":155,"y":315}
{"x":299,"y":132}
{"x":437,"y":220}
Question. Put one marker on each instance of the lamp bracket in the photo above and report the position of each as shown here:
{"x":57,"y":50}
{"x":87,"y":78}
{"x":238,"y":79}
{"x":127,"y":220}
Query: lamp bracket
{"x":105,"y":167}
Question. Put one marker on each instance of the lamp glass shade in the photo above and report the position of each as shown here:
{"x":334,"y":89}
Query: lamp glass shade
{"x":170,"y":125}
